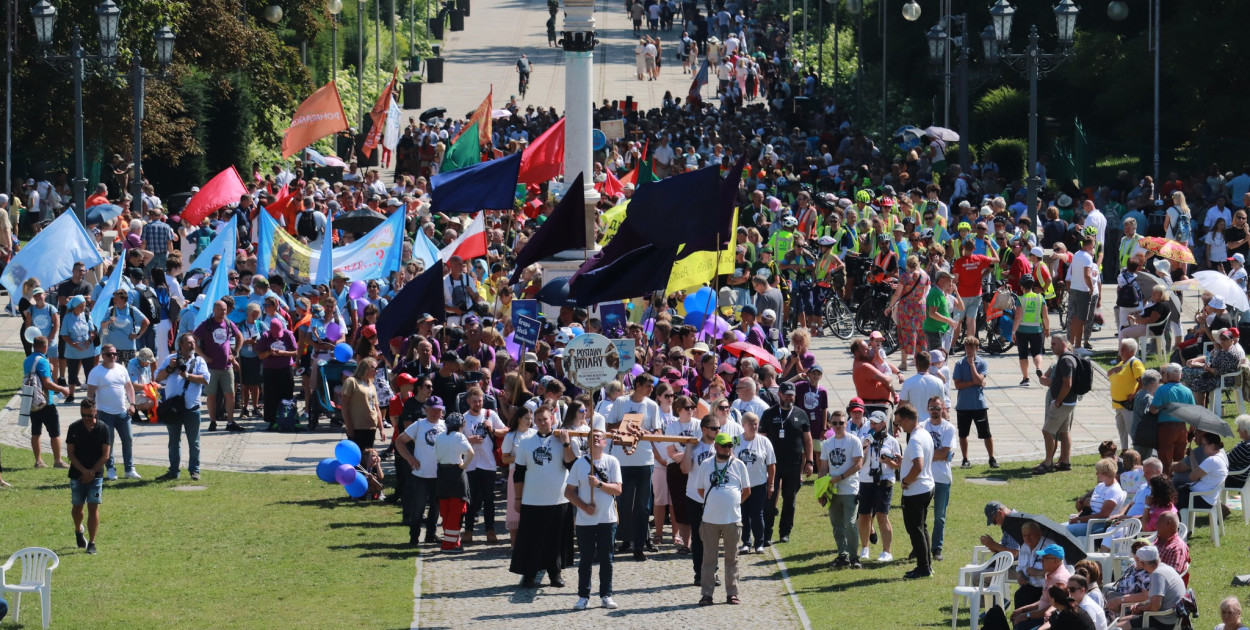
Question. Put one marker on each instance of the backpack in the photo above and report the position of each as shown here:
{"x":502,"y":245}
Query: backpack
{"x":1082,"y":376}
{"x":306,"y":226}
{"x":1128,"y":294}
{"x":149,"y":305}
{"x":288,"y":416}
{"x":38,"y":397}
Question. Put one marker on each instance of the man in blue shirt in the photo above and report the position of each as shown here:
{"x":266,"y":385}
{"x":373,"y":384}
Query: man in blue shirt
{"x":184,"y":374}
{"x":1172,"y":430}
{"x":971,"y":407}
{"x":45,"y":417}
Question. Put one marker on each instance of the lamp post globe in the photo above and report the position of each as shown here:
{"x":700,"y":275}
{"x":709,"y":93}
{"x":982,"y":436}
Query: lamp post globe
{"x":273,"y":14}
{"x":1002,"y":13}
{"x":1065,"y":21}
{"x":1117,"y":10}
{"x":44,"y":16}
{"x":854,"y":7}
{"x":165,"y":39}
{"x":334,"y":7}
{"x":911,"y":11}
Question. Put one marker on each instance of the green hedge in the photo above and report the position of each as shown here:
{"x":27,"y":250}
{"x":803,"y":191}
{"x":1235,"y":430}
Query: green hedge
{"x":1010,"y":155}
{"x":1002,"y":112}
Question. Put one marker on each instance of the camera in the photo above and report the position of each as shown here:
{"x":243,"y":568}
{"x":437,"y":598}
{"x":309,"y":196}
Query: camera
{"x":878,"y":473}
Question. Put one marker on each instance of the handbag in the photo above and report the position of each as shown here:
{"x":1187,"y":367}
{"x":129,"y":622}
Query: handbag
{"x":170,"y":408}
{"x":1146,"y":434}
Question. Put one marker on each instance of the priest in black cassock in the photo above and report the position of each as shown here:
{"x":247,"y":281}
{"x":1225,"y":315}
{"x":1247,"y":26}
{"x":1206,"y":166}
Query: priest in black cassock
{"x":544,"y":539}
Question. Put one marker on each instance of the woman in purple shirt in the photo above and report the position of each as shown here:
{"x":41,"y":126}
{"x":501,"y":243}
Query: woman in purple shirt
{"x":277,"y":349}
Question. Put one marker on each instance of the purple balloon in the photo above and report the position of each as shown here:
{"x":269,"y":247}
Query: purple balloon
{"x":514,"y":348}
{"x":636,"y":370}
{"x":357,"y":290}
{"x":361,"y":303}
{"x":334,"y":331}
{"x":345,"y":474}
{"x":714,"y":327}
{"x":740,"y":335}
{"x":648,"y":326}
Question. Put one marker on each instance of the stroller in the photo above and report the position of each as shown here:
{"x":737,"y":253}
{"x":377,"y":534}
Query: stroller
{"x":331,"y":375}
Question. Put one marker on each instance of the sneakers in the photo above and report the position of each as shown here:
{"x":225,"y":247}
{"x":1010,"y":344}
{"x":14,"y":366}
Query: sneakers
{"x":745,"y":549}
{"x":608,"y":603}
{"x":759,"y":549}
{"x":91,"y":549}
{"x":856,"y":564}
{"x":639,"y":555}
{"x":966,"y":464}
{"x":132,"y":474}
{"x":111,"y":475}
{"x":885,"y":557}
{"x":915,"y":574}
{"x":993,"y":463}
{"x":843,"y":560}
{"x":863,"y":554}
{"x":234,"y":426}
{"x":195,"y":476}
{"x":937,"y":555}
{"x":785,"y":538}
{"x":581,"y":604}
{"x":82,"y":540}
{"x":1025,"y":382}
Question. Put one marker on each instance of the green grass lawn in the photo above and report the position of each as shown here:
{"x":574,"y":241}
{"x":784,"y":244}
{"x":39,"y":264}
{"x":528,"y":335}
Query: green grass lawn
{"x":878,"y":597}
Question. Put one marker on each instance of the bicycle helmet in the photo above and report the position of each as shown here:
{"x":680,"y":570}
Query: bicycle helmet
{"x":789,"y":221}
{"x":1026,"y":279}
{"x":863,"y":196}
{"x":887,"y":202}
{"x":1091,"y":230}
{"x":964,"y":225}
{"x":825,"y":241}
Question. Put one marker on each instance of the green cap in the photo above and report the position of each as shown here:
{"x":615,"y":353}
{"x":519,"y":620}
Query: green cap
{"x":723,"y":439}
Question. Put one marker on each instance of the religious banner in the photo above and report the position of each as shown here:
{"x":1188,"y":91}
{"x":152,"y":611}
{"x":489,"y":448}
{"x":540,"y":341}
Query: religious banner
{"x":625,"y":352}
{"x":613,"y":129}
{"x":374,"y":256}
{"x":591,"y":361}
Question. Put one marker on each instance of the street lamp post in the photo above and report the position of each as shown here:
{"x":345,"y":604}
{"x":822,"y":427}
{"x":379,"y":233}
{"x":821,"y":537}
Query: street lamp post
{"x":360,"y":61}
{"x":940,"y":45}
{"x":334,"y":7}
{"x":1118,"y":10}
{"x":856,"y":9}
{"x":1033,"y":64}
{"x":138,"y":76}
{"x":74,"y":64}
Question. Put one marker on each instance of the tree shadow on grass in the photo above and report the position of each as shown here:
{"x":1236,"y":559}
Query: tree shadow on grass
{"x":367,"y":525}
{"x":325,"y":504}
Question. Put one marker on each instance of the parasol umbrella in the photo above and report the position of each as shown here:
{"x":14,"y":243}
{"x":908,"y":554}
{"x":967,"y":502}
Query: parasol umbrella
{"x":501,"y":113}
{"x":433,"y":112}
{"x":103,"y":213}
{"x":1218,"y":283}
{"x":907,"y":137}
{"x":942,"y":133}
{"x":361,"y":220}
{"x":1198,"y":417}
{"x":1168,"y":248}
{"x":739,"y":348}
{"x":556,"y":293}
{"x":1052,"y":532}
{"x":335,"y":161}
{"x":315,"y":156}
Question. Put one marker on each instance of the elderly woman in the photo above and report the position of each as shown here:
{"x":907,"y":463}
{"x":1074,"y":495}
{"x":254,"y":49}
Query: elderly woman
{"x":1210,"y":474}
{"x":1239,"y":457}
{"x":1103,"y":500}
{"x":1203,"y":374}
{"x":1153,"y":318}
{"x":1150,"y":380}
{"x":77,"y":331}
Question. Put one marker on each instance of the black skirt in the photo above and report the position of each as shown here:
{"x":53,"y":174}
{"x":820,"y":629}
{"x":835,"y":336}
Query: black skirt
{"x":544,"y":540}
{"x":451,"y":483}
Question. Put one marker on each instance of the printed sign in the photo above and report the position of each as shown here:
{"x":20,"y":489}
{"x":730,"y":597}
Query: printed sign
{"x":625,"y":352}
{"x":524,"y":308}
{"x":614,"y":318}
{"x":526,"y":330}
{"x":591,"y":360}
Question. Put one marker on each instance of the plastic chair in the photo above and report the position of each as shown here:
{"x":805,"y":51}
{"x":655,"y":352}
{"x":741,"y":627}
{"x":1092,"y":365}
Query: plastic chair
{"x":1147,"y":617}
{"x":1215,"y":513}
{"x":1232,"y":383}
{"x":987,"y":580}
{"x":980,"y":555}
{"x":1121,"y":539}
{"x":37,"y":566}
{"x":1161,"y":346}
{"x":1241,"y":492}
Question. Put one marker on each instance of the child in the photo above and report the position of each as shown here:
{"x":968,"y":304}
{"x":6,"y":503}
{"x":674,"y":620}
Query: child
{"x":1238,"y":271}
{"x":1133,"y":476}
{"x":371,"y":467}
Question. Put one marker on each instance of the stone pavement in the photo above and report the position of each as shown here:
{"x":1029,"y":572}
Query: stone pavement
{"x":475,"y":588}
{"x":1015,"y":412}
{"x":498,"y":31}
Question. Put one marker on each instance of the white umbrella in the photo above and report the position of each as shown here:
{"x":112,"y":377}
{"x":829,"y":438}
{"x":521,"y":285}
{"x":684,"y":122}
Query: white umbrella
{"x":942,"y":133}
{"x":1225,"y":287}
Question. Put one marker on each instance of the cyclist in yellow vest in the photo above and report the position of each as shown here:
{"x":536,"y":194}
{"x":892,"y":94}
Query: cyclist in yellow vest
{"x":1129,"y":242}
{"x":782,"y":241}
{"x":1041,"y":273}
{"x":1031,"y":327}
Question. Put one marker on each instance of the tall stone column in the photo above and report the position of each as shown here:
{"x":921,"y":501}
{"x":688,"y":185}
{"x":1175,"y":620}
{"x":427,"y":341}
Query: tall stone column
{"x":579,"y":49}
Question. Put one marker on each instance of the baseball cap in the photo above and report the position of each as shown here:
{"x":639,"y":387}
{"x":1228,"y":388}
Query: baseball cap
{"x":991,"y":509}
{"x":785,"y":388}
{"x":450,"y":356}
{"x":1055,"y":551}
{"x":1037,"y":251}
{"x":816,"y":368}
{"x":4,"y":198}
{"x":768,"y":314}
{"x":472,"y":376}
{"x":1149,"y":553}
{"x":876,"y":416}
{"x":723,"y":439}
{"x":856,"y":403}
{"x":37,"y":291}
{"x":876,"y":334}
{"x":405,"y":378}
{"x":434,"y":402}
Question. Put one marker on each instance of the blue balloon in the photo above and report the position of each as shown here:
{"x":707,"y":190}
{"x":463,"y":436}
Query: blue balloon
{"x":325,"y":469}
{"x":694,"y":318}
{"x":343,"y":353}
{"x":347,"y":452}
{"x":700,"y":301}
{"x":577,"y":331}
{"x":344,"y":474}
{"x":358,"y":486}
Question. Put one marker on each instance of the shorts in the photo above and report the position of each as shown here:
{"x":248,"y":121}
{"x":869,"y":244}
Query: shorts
{"x":980,"y":417}
{"x":873,"y":498}
{"x":1079,"y":305}
{"x":934,"y":340}
{"x":222,"y":380}
{"x":1029,"y":344}
{"x":81,"y":493}
{"x":1059,"y":420}
{"x":45,"y":418}
{"x":659,"y":486}
{"x":972,"y":306}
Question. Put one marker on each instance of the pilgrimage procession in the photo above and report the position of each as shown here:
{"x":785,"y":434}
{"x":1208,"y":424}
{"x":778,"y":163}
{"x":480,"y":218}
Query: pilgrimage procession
{"x":855,"y":314}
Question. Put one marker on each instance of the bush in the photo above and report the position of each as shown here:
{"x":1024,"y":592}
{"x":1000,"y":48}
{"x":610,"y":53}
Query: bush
{"x":1002,"y":112}
{"x":1010,"y":155}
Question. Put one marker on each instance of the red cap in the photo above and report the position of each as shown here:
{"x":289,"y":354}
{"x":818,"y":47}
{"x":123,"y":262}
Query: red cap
{"x":405,"y":378}
{"x":856,"y":403}
{"x":369,"y":331}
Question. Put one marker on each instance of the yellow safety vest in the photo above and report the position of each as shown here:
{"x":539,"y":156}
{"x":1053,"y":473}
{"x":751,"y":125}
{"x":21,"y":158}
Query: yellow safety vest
{"x":1033,"y":308}
{"x":1127,"y":245}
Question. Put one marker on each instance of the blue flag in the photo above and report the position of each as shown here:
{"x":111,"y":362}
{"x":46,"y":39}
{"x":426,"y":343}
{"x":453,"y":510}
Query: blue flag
{"x":424,"y":250}
{"x":565,"y":229}
{"x":325,"y":264}
{"x":217,"y":246}
{"x":114,"y":281}
{"x":219,"y":286}
{"x":486,"y":186}
{"x":51,"y":255}
{"x":424,"y":294}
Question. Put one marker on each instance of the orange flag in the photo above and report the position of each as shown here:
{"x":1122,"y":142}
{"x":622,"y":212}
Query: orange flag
{"x":378,"y":114}
{"x":482,"y":115}
{"x":317,"y":117}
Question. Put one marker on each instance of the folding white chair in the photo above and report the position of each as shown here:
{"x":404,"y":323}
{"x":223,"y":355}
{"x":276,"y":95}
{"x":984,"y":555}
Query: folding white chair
{"x":37,"y":566}
{"x":1232,"y":383}
{"x":1241,"y":492}
{"x":1121,"y":539}
{"x":986,"y":580}
{"x":1215,"y":512}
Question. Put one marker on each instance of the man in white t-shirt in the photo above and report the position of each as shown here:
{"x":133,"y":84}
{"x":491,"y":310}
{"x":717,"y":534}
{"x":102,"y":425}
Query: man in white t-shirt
{"x":841,"y":457}
{"x":692,"y":456}
{"x":109,"y":385}
{"x":943,"y":434}
{"x":921,"y":386}
{"x":723,"y":483}
{"x":755,"y":450}
{"x":484,"y":429}
{"x":636,"y":465}
{"x":1082,"y":279}
{"x":748,"y":401}
{"x":917,"y":483}
{"x":544,"y":540}
{"x":593,"y":484}
{"x":420,"y":497}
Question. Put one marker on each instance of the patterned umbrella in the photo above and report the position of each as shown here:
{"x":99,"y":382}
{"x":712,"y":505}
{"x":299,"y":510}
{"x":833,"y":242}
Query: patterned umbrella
{"x":739,"y":348}
{"x":1169,"y":249}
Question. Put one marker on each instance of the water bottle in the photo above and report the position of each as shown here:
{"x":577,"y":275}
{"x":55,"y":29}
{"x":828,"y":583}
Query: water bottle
{"x":54,"y":398}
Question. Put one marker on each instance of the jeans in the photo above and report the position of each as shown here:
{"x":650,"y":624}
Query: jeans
{"x":1085,"y":529}
{"x":941,"y":497}
{"x":594,"y":543}
{"x":789,"y":478}
{"x":119,"y":424}
{"x":419,"y":493}
{"x":712,"y":534}
{"x":915,"y":519}
{"x":753,"y":516}
{"x":189,"y":421}
{"x":695,"y":510}
{"x":481,"y":500}
{"x":633,"y":502}
{"x":842,"y":518}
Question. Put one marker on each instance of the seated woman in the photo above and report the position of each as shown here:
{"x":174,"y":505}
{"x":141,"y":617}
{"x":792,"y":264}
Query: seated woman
{"x":1132,"y":587}
{"x":1209,"y":474}
{"x":1153,"y":319}
{"x":1203,"y":374}
{"x":1139,"y":506}
{"x":1107,"y":494}
{"x":1239,"y":457}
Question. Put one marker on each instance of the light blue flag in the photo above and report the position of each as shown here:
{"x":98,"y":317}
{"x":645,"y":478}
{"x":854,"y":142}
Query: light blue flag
{"x":423,"y":249}
{"x":219,"y":286}
{"x":325,"y":264}
{"x":106,"y":296}
{"x":217,"y":246}
{"x":51,"y":255}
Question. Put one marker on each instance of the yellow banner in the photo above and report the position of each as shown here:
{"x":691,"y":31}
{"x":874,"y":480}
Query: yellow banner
{"x":700,"y":268}
{"x":612,"y":220}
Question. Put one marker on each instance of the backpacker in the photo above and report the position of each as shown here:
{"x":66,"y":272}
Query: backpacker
{"x":149,"y":305}
{"x":1128,"y":294}
{"x":306,"y":226}
{"x":1082,"y":376}
{"x":34,"y":385}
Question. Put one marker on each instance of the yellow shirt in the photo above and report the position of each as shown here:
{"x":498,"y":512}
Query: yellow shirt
{"x":1124,"y":383}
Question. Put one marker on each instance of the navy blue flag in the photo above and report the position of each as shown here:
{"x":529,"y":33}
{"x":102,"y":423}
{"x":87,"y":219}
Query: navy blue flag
{"x":678,"y":209}
{"x":565,"y":229}
{"x":486,"y":186}
{"x":719,"y":238}
{"x":424,"y":294}
{"x":626,"y":276}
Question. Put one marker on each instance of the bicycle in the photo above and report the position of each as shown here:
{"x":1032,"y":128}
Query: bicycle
{"x":523,"y":84}
{"x":837,"y":316}
{"x":994,"y":322}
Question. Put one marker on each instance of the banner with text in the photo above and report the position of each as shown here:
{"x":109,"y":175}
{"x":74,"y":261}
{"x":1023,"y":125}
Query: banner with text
{"x":375,"y":255}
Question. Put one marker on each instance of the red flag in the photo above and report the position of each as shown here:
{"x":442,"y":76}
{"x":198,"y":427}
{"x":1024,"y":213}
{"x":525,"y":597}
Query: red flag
{"x":611,"y":186}
{"x":543,"y":160}
{"x":223,"y":189}
{"x":317,"y":117}
{"x":273,"y":208}
{"x":286,"y":206}
{"x":632,"y":176}
{"x":532,"y":209}
{"x":378,"y":114}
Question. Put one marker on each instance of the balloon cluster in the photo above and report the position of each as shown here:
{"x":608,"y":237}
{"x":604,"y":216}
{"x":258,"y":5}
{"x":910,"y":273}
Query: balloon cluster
{"x":341,"y":469}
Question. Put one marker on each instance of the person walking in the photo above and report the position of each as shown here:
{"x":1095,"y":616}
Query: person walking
{"x":723,"y":483}
{"x":755,"y":451}
{"x":484,"y":430}
{"x":1060,"y":406}
{"x":593,"y":484}
{"x":971,"y":406}
{"x":452,"y":452}
{"x":636,"y":464}
{"x":789,"y":429}
{"x":46,"y":417}
{"x":184,"y":375}
{"x":1031,"y":326}
{"x":109,"y":386}
{"x":88,"y":443}
{"x":544,"y":539}
{"x":842,"y":457}
{"x":917,"y":483}
{"x":943,"y":434}
{"x":420,"y":492}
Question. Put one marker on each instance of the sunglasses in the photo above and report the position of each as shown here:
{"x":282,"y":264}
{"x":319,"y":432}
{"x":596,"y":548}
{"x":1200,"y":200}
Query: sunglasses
{"x":1073,"y":589}
{"x":935,"y":408}
{"x":723,"y":407}
{"x":838,"y":424}
{"x":109,"y":354}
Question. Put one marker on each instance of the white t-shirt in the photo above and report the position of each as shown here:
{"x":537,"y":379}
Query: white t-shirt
{"x":110,"y":393}
{"x":919,"y":446}
{"x":423,"y":434}
{"x":840,"y":453}
{"x":1216,"y":469}
{"x":545,"y":474}
{"x":872,"y":457}
{"x":917,"y":390}
{"x":700,"y":453}
{"x":943,"y":436}
{"x":608,"y":469}
{"x":508,"y":446}
{"x":757,"y":455}
{"x":484,"y":425}
{"x":449,"y":448}
{"x":1095,"y":612}
{"x":1076,"y":271}
{"x":756,"y":406}
{"x":1103,"y":493}
{"x":722,"y":484}
{"x":651,"y":422}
